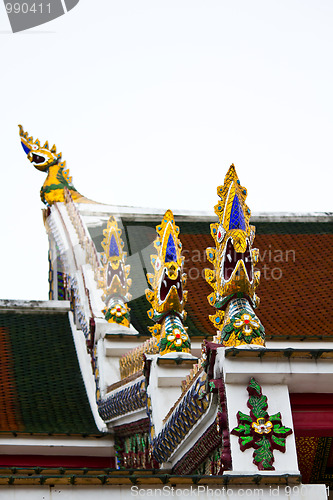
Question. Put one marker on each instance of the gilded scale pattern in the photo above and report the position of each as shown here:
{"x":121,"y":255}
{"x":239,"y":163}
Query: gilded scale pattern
{"x":233,"y":278}
{"x":167,"y":295}
{"x":114,"y":276}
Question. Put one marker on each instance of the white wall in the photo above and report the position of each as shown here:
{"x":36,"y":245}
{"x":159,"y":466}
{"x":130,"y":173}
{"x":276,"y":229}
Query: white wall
{"x":302,"y":492}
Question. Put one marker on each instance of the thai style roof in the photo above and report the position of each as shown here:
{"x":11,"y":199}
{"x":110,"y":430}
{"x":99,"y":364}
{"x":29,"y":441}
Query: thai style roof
{"x":84,"y":370}
{"x":42,"y":389}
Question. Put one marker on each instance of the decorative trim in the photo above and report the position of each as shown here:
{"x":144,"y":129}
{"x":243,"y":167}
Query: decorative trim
{"x":141,"y":425}
{"x":85,"y":240}
{"x":125,"y":401}
{"x":134,"y":451}
{"x":320,"y":473}
{"x":207,"y":443}
{"x":133,"y":361}
{"x":190,"y":409}
{"x":86,"y":476}
{"x":216,"y":437}
{"x":51,"y":461}
{"x":124,"y":381}
{"x":306,"y":448}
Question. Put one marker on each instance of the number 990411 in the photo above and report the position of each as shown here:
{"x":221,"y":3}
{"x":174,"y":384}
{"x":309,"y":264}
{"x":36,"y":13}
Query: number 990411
{"x":24,"y":8}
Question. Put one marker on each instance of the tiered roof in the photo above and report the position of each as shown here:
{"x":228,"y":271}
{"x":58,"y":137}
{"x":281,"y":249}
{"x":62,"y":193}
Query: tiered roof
{"x":42,"y":389}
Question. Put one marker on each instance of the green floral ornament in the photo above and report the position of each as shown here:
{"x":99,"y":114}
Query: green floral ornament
{"x":260,"y":431}
{"x":245,"y":327}
{"x":175,"y":339}
{"x":117,"y":314}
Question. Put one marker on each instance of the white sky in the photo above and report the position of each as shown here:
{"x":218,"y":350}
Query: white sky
{"x":151,"y":101}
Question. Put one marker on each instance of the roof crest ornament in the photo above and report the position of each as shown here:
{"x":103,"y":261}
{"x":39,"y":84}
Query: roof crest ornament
{"x":234,"y":279}
{"x":114,"y":276}
{"x":167,"y":295}
{"x":47,"y":160}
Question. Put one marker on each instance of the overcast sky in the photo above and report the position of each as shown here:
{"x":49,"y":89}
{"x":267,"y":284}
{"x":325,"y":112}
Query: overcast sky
{"x":151,"y":101}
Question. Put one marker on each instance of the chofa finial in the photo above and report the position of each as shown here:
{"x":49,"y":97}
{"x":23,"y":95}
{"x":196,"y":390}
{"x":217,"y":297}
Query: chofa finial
{"x":114,"y":276}
{"x":47,"y":160}
{"x":234,"y":279}
{"x":167,"y":295}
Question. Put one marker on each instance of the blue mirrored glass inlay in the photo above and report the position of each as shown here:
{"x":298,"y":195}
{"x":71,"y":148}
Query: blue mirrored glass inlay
{"x":171,"y":253}
{"x":113,"y":248}
{"x":26,"y":149}
{"x":237,"y":220}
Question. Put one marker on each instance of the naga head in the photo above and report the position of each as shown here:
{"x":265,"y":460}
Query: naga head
{"x":114,"y":275}
{"x":42,"y":157}
{"x":233,"y":257}
{"x":168,"y":281}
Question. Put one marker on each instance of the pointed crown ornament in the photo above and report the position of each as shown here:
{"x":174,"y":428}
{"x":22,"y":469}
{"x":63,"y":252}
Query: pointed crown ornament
{"x":42,"y":157}
{"x":47,"y":159}
{"x":167,"y":295}
{"x":233,"y":278}
{"x":114,"y":276}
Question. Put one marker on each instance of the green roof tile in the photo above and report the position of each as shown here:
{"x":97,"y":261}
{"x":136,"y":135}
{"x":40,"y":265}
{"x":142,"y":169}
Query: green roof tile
{"x":47,"y":390}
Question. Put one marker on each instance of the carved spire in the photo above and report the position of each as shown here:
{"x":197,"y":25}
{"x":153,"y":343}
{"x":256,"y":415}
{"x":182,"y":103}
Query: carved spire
{"x":167,"y":295}
{"x":114,"y":276}
{"x":233,"y":278}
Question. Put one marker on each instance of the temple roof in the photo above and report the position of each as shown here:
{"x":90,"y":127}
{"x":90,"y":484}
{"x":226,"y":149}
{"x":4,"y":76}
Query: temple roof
{"x":42,"y":389}
{"x":295,"y":262}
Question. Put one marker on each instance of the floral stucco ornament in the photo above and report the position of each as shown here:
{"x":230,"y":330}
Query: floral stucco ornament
{"x":243,"y":328}
{"x":259,"y":430}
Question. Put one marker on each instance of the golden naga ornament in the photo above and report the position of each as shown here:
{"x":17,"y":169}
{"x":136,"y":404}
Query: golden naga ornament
{"x":114,"y":276}
{"x":167,"y":295}
{"x":233,"y":278}
{"x":47,"y":160}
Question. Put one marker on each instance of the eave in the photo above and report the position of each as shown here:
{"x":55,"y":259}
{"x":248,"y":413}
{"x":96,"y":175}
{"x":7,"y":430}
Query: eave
{"x":148,"y":478}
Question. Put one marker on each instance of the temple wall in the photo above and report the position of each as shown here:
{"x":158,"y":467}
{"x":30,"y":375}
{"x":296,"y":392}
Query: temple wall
{"x":300,"y":492}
